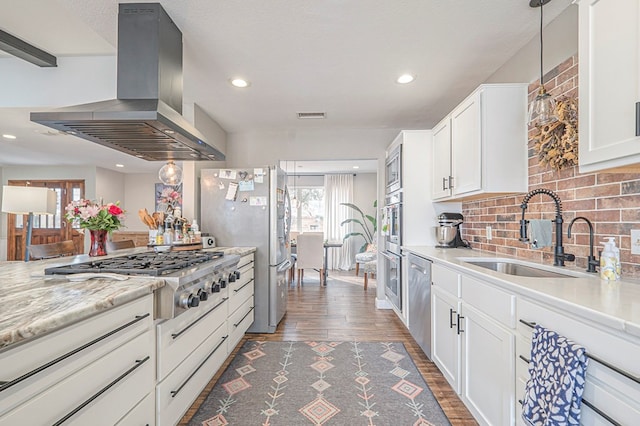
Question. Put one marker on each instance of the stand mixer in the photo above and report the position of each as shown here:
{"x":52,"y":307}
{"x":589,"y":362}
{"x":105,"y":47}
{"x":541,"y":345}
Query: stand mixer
{"x":448,"y":233}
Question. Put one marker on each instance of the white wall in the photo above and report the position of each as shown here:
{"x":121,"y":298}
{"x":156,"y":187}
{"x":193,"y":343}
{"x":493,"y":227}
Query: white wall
{"x":110,"y":186}
{"x":365,"y":192}
{"x":139,"y":194}
{"x":560,"y":42}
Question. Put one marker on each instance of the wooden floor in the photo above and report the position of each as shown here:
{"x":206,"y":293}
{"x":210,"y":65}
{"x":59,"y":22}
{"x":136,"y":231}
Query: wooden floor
{"x":344,"y":311}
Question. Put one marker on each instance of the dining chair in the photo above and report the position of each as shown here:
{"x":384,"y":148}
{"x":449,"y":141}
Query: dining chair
{"x":310,"y":252}
{"x":119,"y":245}
{"x":49,"y":251}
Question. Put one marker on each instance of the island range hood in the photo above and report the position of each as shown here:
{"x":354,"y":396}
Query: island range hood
{"x":145,"y":120}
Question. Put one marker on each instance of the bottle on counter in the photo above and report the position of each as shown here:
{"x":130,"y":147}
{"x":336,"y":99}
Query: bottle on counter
{"x":194,"y":226}
{"x":608,"y":263}
{"x":616,"y":252}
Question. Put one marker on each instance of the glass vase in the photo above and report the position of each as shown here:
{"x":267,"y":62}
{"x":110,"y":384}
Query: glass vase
{"x":98,"y":242}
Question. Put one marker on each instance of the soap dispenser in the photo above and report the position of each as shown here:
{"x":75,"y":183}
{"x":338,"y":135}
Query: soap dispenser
{"x":608,"y":263}
{"x":616,"y":252}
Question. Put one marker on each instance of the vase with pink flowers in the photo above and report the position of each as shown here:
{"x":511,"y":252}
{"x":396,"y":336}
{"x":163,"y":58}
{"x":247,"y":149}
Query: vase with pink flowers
{"x":100,"y":219}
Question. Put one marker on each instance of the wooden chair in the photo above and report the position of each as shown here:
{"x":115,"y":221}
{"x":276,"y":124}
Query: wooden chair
{"x":49,"y":251}
{"x":310,"y":251}
{"x":119,"y":245}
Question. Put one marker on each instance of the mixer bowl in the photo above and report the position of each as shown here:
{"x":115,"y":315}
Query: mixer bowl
{"x":445,"y":234}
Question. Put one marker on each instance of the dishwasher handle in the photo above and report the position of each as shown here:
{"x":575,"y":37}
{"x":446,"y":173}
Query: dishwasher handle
{"x":420,"y":269}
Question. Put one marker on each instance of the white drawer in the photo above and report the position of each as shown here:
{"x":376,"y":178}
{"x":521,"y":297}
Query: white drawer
{"x":126,"y":373}
{"x":143,"y":414}
{"x":240,"y":291}
{"x":446,"y":279}
{"x":176,"y":393}
{"x":178,"y":337}
{"x":239,"y":322}
{"x":108,"y":331}
{"x":609,"y":391}
{"x":493,"y":302}
{"x":246,"y":261}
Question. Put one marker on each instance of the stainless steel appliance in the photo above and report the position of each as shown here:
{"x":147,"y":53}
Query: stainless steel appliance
{"x":419,"y":274}
{"x":393,"y":211}
{"x":145,"y":120}
{"x":247,"y":207}
{"x":192,"y":277}
{"x":393,"y":172}
{"x":448,"y":232}
{"x":393,"y":278}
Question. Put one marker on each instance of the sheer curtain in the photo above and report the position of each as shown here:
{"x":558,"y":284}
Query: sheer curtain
{"x":338,"y":189}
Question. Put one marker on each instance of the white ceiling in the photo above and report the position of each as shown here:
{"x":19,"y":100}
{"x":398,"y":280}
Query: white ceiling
{"x":338,"y":57}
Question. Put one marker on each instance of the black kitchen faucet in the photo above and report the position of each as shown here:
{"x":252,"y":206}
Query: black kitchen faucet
{"x":592,"y":262}
{"x":559,"y":256}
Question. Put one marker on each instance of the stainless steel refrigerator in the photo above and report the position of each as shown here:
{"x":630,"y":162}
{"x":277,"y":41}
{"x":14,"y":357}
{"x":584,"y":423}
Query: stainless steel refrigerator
{"x":249,"y":207}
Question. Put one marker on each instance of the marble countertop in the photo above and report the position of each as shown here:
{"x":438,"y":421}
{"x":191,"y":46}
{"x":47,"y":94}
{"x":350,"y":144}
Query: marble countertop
{"x":32,"y":304}
{"x":615,"y":304}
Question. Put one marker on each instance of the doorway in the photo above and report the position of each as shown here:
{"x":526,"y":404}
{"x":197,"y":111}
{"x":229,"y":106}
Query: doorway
{"x":46,"y":229}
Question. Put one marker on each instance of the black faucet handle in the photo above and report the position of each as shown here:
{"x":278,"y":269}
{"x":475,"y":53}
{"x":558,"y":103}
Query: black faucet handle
{"x":523,"y":231}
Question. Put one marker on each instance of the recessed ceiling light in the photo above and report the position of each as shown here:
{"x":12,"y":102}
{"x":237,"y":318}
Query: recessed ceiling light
{"x":356,"y":167}
{"x":405,"y":78}
{"x":7,"y":136}
{"x":239,"y":82}
{"x":119,"y":165}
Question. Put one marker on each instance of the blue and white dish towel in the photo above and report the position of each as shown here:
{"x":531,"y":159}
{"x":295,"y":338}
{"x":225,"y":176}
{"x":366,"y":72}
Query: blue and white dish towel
{"x":557,"y":371}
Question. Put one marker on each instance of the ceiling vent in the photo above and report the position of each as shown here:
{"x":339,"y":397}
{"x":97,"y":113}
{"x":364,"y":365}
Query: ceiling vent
{"x":310,"y":115}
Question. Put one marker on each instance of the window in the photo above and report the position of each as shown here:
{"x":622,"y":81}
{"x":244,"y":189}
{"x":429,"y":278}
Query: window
{"x":307,"y":209}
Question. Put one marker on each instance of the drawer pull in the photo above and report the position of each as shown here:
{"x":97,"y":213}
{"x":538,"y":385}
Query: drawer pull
{"x":176,"y":335}
{"x":600,"y":413}
{"x":528,"y":323}
{"x":451,"y":323}
{"x":238,"y":289}
{"x":7,"y":385}
{"x":524,"y":358}
{"x":245,"y":315}
{"x":138,"y":363}
{"x":175,"y":392}
{"x":459,"y":326}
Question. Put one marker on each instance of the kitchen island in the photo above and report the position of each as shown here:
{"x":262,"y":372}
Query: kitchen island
{"x":89,"y":351}
{"x":482,"y":323}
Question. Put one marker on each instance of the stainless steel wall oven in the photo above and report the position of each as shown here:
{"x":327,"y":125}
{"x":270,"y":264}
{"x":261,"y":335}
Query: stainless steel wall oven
{"x":393,"y":281}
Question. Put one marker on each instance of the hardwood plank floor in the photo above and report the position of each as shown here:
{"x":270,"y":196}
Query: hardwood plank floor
{"x":343,"y":310}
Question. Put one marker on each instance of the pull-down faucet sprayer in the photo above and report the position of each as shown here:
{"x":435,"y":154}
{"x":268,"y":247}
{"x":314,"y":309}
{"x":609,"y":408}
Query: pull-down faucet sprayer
{"x":559,"y":256}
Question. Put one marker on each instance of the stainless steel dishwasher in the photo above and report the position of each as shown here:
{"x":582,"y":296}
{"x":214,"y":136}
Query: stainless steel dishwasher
{"x":419,"y":273}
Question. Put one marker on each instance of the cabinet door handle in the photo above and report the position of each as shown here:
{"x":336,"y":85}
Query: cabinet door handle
{"x":245,"y":315}
{"x":138,"y":363}
{"x":238,"y":289}
{"x":7,"y":384}
{"x":444,"y":183}
{"x":637,"y":118}
{"x":451,"y":312}
{"x":175,"y":392}
{"x":450,"y":182}
{"x":459,"y":327}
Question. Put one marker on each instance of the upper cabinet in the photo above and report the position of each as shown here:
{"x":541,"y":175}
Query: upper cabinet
{"x":480,"y":148}
{"x":609,"y":49}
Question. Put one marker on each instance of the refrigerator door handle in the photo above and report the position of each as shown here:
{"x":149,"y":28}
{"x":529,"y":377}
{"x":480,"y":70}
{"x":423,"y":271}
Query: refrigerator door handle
{"x":284,"y":266}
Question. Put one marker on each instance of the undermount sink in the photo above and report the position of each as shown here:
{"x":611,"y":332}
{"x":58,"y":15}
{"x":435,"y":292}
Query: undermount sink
{"x":516,"y":268}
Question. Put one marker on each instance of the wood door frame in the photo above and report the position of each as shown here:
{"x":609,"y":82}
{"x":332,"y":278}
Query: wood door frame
{"x":16,"y":237}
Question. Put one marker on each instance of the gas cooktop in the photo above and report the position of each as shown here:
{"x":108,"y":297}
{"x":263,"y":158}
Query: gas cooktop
{"x":147,"y":263}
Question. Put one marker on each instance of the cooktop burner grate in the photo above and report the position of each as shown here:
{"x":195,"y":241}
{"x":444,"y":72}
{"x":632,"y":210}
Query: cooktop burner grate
{"x":147,"y":263}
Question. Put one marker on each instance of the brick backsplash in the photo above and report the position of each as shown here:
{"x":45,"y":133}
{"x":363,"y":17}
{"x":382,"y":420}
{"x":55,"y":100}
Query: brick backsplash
{"x":611,"y":201}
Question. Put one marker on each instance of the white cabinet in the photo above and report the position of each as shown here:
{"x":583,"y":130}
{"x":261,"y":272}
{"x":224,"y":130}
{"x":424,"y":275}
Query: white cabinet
{"x":94,"y":372}
{"x":473,"y":343}
{"x":609,"y":48}
{"x":241,"y":303}
{"x":487,"y":152}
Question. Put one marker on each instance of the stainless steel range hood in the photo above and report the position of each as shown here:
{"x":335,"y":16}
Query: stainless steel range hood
{"x":145,"y":120}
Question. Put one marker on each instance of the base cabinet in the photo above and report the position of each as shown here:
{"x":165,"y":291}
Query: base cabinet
{"x":474,"y":343}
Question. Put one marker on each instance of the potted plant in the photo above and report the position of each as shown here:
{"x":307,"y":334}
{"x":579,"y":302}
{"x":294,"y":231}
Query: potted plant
{"x":364,"y":223}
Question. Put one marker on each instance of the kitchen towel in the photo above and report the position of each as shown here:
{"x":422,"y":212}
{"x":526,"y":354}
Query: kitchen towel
{"x":557,"y":370}
{"x":540,"y":231}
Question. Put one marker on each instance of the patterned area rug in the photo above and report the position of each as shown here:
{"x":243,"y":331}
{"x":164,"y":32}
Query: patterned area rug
{"x":320,"y":383}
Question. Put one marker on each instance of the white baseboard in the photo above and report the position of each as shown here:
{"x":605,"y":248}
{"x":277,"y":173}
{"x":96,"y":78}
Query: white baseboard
{"x":383,"y":304}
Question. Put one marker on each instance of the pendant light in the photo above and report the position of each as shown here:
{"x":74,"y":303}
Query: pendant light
{"x":542,"y":110}
{"x":170,"y":174}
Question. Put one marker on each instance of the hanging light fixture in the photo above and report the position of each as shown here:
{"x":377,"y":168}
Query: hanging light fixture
{"x":170,"y":174}
{"x":543,"y":108}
